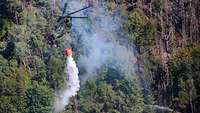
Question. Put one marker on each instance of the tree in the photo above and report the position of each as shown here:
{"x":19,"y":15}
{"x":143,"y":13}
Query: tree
{"x":40,"y":99}
{"x":185,"y":73}
{"x":55,"y":72}
{"x":141,"y":30}
{"x":111,"y":92}
{"x":6,"y":105}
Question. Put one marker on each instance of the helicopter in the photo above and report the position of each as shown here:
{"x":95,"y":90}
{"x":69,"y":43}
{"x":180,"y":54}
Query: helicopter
{"x":64,"y":23}
{"x":65,"y":19}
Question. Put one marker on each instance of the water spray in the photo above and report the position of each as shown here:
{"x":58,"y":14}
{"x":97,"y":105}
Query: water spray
{"x":72,"y":82}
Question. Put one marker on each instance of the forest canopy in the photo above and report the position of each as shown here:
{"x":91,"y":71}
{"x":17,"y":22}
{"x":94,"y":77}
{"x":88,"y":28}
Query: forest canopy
{"x":165,"y":34}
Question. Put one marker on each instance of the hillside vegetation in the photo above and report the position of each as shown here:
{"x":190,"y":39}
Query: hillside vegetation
{"x":166,"y":35}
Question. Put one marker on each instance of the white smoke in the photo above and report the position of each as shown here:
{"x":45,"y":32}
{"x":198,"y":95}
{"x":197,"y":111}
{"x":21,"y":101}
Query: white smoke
{"x":72,"y":82}
{"x":101,"y":42}
{"x":100,"y":37}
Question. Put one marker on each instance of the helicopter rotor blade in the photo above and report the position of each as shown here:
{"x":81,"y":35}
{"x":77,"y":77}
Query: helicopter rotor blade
{"x":77,"y":17}
{"x":78,"y":10}
{"x":64,"y":9}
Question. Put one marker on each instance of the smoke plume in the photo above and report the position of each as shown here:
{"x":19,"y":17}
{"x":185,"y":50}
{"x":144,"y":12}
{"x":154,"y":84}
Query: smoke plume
{"x":72,"y":82}
{"x":101,"y":38}
{"x":102,"y":42}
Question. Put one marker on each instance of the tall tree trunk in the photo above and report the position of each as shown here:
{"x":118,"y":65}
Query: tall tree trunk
{"x":191,"y":103}
{"x":183,"y":15}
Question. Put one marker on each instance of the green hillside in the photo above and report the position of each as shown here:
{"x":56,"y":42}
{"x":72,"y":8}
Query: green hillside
{"x":165,"y":34}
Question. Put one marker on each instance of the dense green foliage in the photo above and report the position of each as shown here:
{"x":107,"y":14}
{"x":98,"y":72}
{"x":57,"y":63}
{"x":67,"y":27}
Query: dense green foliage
{"x":27,"y":78}
{"x":32,"y":62}
{"x":111,"y":93}
{"x":185,"y":71}
{"x":141,"y":30}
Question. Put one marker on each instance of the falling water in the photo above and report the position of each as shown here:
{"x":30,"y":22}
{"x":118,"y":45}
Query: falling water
{"x":72,"y":82}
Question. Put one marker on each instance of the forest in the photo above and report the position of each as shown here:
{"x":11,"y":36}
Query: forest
{"x":165,"y":36}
